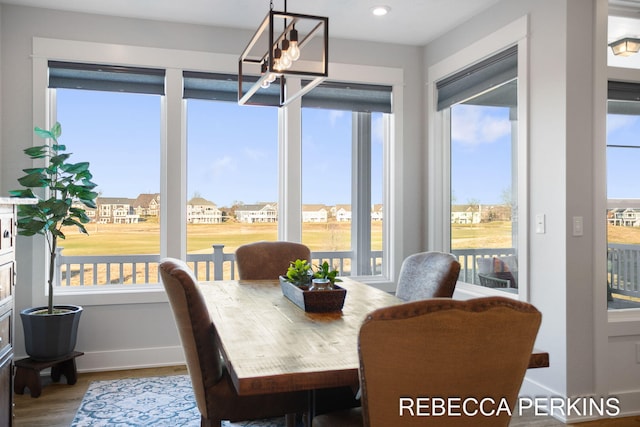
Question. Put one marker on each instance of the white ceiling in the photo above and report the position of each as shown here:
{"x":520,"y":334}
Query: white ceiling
{"x":410,"y":22}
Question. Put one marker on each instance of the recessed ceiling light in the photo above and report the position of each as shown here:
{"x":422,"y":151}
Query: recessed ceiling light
{"x":380,"y":10}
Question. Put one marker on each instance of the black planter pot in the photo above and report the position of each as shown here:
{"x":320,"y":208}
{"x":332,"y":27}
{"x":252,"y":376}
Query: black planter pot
{"x":50,"y":336}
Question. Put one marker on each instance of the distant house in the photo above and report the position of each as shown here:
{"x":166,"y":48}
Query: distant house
{"x":626,"y":217}
{"x":376,"y":212}
{"x":260,"y":212}
{"x":465,"y":214}
{"x":147,"y":204}
{"x":202,"y":211}
{"x":342,"y":213}
{"x":314,"y":213}
{"x":115,"y":210}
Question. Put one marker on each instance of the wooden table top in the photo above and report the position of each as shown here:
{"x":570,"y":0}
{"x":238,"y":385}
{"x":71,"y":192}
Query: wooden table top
{"x":271,"y":345}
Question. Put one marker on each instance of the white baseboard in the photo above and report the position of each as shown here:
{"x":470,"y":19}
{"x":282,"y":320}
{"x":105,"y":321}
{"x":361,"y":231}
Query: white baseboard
{"x":114,"y":360}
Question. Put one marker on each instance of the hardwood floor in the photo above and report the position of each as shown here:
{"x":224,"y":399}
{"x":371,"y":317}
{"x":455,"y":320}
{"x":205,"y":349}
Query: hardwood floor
{"x":58,"y":403}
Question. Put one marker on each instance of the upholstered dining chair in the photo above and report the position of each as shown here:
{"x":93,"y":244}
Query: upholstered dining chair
{"x":215,"y":394}
{"x":441,"y":349}
{"x":428,"y":275}
{"x":267,"y":260}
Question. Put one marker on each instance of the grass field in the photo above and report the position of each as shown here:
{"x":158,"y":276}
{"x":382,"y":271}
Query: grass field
{"x":144,"y":238}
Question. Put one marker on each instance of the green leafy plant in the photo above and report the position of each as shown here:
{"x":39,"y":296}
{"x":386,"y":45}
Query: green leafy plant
{"x":299,"y":272}
{"x":324,"y":271}
{"x":67,"y":187}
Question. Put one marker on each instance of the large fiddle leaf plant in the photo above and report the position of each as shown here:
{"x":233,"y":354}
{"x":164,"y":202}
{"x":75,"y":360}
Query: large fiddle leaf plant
{"x":67,"y":187}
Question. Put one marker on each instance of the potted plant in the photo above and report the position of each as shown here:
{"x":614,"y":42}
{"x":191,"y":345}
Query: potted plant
{"x":50,"y":332}
{"x":299,"y":273}
{"x":319,"y":297}
{"x":325,"y":277}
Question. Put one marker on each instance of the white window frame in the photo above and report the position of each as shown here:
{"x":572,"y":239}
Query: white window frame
{"x":173,"y":180}
{"x":438,"y":151}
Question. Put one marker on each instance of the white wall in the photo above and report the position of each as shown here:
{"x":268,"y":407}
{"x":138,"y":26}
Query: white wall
{"x":113,"y":334}
{"x":566,"y":159}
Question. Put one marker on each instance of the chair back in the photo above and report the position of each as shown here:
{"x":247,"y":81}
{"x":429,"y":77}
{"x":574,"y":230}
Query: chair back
{"x":441,"y":349}
{"x":428,"y":275}
{"x":268,"y":260}
{"x":195,"y":328}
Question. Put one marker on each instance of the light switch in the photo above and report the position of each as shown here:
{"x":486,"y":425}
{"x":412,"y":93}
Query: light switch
{"x":578,"y":226}
{"x":540,"y":226}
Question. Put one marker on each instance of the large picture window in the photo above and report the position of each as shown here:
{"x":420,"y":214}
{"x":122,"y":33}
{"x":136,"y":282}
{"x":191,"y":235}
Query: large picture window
{"x":481,"y":104}
{"x":111,"y":117}
{"x":343,"y":138}
{"x":232,"y":167}
{"x":127,"y":125}
{"x":623,"y":207}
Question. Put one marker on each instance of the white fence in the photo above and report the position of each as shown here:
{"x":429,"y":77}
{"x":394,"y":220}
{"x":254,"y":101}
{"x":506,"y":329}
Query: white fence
{"x":623,"y":266}
{"x":99,"y":270}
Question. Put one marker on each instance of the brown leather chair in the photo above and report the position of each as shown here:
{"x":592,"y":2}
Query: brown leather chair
{"x":215,"y":394}
{"x":428,"y":275}
{"x":441,"y":348}
{"x":268,"y":260}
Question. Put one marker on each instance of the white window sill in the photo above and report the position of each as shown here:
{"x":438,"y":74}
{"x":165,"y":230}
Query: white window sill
{"x":111,"y":295}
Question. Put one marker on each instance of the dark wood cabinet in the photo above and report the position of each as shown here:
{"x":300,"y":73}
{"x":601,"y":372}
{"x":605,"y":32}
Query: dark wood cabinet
{"x":8,"y":234}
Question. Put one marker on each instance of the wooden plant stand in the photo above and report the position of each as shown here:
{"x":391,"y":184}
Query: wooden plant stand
{"x":28,"y":372}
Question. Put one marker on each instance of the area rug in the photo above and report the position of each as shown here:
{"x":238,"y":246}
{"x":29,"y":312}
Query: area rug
{"x":141,"y":402}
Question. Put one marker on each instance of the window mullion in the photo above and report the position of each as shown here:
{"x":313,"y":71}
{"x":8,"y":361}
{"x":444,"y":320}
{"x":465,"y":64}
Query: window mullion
{"x":361,"y":193}
{"x":173,"y":160}
{"x":290,"y":169}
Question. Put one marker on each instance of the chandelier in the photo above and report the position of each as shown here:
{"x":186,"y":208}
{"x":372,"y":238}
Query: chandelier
{"x":285,"y":45}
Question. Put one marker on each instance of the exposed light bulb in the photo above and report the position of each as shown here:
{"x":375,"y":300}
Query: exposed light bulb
{"x":271,"y":77}
{"x":285,"y":62}
{"x":263,"y":70}
{"x":277,"y":58}
{"x":294,"y":50}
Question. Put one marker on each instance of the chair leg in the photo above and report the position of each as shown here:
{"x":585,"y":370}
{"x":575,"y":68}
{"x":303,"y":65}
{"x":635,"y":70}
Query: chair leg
{"x":290,"y":420}
{"x":205,"y":422}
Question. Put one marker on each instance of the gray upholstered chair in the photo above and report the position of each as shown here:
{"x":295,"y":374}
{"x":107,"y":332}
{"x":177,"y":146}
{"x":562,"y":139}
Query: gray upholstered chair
{"x":428,"y":275}
{"x":215,"y":394}
{"x":441,"y":348}
{"x":268,"y":260}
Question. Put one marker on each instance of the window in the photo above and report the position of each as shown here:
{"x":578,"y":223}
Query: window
{"x":623,"y":208}
{"x":161,"y":157}
{"x":343,"y":137}
{"x":481,"y":104}
{"x":232,"y":167}
{"x":110,"y":117}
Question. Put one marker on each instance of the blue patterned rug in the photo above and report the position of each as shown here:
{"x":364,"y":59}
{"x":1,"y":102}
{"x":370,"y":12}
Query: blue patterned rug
{"x":141,"y":402}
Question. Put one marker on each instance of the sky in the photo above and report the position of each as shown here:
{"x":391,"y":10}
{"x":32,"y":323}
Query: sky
{"x":622,"y":163}
{"x":480,"y":153}
{"x":232,"y":151}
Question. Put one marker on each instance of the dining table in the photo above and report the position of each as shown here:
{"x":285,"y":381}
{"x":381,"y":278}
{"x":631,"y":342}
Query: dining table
{"x":271,"y":345}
